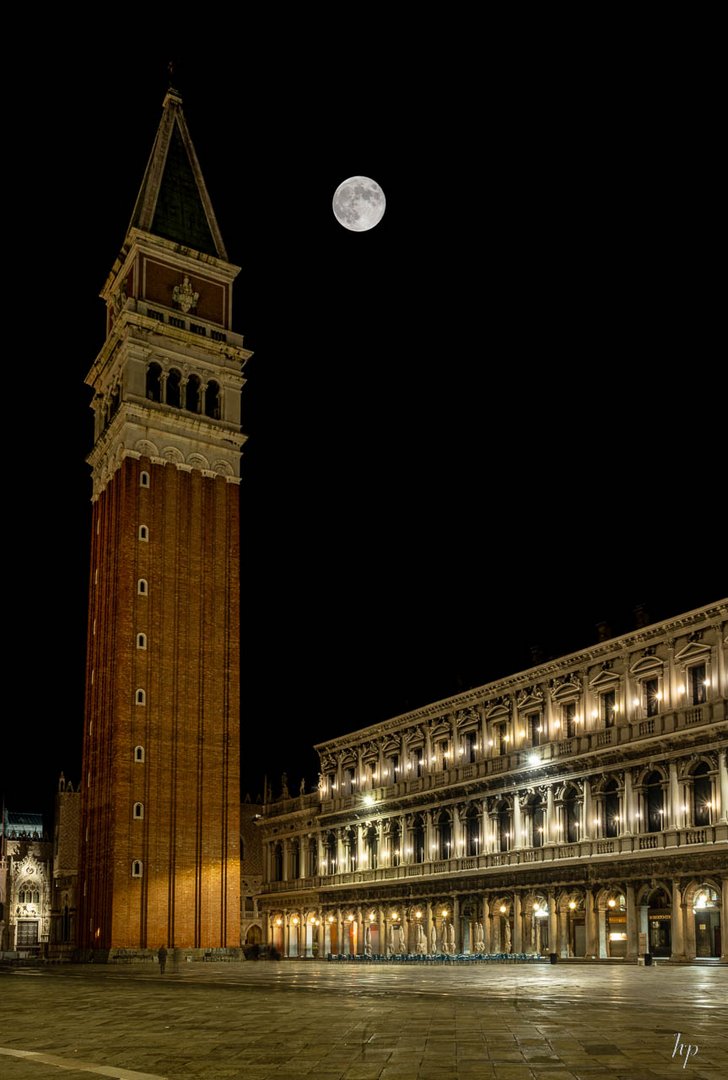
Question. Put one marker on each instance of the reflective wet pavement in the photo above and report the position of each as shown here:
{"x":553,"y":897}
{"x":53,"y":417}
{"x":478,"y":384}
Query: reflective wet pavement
{"x":346,"y":1022}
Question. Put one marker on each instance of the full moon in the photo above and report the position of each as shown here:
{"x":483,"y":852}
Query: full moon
{"x":359,"y":203}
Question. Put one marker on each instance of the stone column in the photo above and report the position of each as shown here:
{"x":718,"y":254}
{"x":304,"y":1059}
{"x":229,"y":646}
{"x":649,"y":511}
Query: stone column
{"x":673,"y":806}
{"x":359,"y":932}
{"x":724,"y":917}
{"x":563,"y":949}
{"x":602,"y":924}
{"x":381,"y":932}
{"x":339,"y":924}
{"x":722,"y":812}
{"x":456,"y":924}
{"x":428,"y":924}
{"x":517,"y":924}
{"x":360,"y":864}
{"x":548,"y":825}
{"x":590,"y":925}
{"x":286,"y":858}
{"x":340,"y":858}
{"x":627,"y":825}
{"x":429,"y":836}
{"x":553,"y":923}
{"x":286,"y":933}
{"x":517,"y":838}
{"x":585,"y":832}
{"x":632,"y":939}
{"x":487,"y":926}
{"x":677,"y":924}
{"x":644,"y":926}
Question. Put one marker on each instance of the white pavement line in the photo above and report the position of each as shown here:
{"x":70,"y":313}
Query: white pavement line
{"x":38,"y":1058}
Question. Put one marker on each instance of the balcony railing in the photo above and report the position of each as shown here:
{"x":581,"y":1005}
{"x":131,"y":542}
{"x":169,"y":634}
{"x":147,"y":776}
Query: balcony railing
{"x":549,"y":853}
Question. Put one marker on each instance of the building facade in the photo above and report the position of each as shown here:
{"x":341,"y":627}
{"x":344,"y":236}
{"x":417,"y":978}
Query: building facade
{"x":160,"y":787}
{"x":578,"y":808}
{"x":25,"y":885}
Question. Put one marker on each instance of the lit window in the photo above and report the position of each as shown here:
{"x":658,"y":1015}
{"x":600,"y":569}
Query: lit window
{"x":143,"y":532}
{"x":142,"y":587}
{"x":144,"y":479}
{"x":141,"y":641}
{"x":140,"y":697}
{"x":138,"y":811}
{"x":139,"y":754}
{"x":136,"y":868}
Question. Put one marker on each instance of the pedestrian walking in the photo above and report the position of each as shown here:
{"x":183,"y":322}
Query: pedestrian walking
{"x":162,"y":957}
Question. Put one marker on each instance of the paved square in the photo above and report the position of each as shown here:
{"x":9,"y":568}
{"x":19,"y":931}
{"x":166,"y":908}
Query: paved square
{"x":330,"y":1022}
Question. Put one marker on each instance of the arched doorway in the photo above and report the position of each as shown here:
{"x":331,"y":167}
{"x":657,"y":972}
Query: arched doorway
{"x":705,"y":910}
{"x":659,"y":916}
{"x":254,"y":936}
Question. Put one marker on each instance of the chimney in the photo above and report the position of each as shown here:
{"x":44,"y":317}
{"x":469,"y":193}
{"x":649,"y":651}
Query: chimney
{"x":641,"y":616}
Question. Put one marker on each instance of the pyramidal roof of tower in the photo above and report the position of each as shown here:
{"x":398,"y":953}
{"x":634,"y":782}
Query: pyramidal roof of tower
{"x":173,"y":202}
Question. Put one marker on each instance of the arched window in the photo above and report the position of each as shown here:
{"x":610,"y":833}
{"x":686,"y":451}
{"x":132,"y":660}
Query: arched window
{"x":154,"y":382}
{"x":472,"y":831}
{"x":444,"y":836}
{"x":143,"y":532}
{"x":144,"y":479}
{"x":142,"y":587}
{"x":192,"y":399}
{"x":395,"y":843}
{"x":138,"y":811}
{"x":698,"y":684}
{"x":538,"y":819}
{"x":331,"y":853}
{"x":504,"y":828}
{"x":140,"y":698}
{"x":277,"y":861}
{"x":136,"y":868}
{"x":571,"y":816}
{"x":212,"y":400}
{"x":294,"y":860}
{"x":701,"y":795}
{"x":141,"y":641}
{"x":139,"y":754}
{"x":611,"y":809}
{"x":372,"y":847}
{"x":351,"y":848}
{"x":418,"y":839}
{"x":653,"y":802}
{"x":174,"y":388}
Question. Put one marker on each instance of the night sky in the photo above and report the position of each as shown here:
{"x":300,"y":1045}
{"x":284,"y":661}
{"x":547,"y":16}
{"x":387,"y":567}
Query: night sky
{"x":485,"y":425}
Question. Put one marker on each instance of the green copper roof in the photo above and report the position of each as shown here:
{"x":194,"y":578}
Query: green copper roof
{"x":173,"y":202}
{"x":180,"y":215}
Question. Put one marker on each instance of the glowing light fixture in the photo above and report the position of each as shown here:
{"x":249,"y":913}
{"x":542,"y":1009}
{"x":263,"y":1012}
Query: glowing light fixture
{"x":503,"y":909}
{"x":534,"y":759}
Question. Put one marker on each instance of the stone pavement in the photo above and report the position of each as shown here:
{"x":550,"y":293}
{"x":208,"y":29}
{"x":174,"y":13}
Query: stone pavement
{"x":346,"y":1022}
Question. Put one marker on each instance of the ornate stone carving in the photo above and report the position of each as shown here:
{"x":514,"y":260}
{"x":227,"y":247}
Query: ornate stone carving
{"x":185,"y":296}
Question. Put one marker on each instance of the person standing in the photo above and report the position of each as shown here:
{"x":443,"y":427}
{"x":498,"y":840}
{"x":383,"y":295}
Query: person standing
{"x":162,"y":957}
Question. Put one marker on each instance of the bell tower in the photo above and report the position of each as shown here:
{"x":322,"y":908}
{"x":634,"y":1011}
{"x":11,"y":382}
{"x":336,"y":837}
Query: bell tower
{"x":160,"y":829}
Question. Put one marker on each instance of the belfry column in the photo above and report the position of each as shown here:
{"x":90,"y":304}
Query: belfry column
{"x":724,"y":917}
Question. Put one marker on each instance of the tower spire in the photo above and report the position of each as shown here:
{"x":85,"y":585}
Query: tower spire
{"x":173,"y":201}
